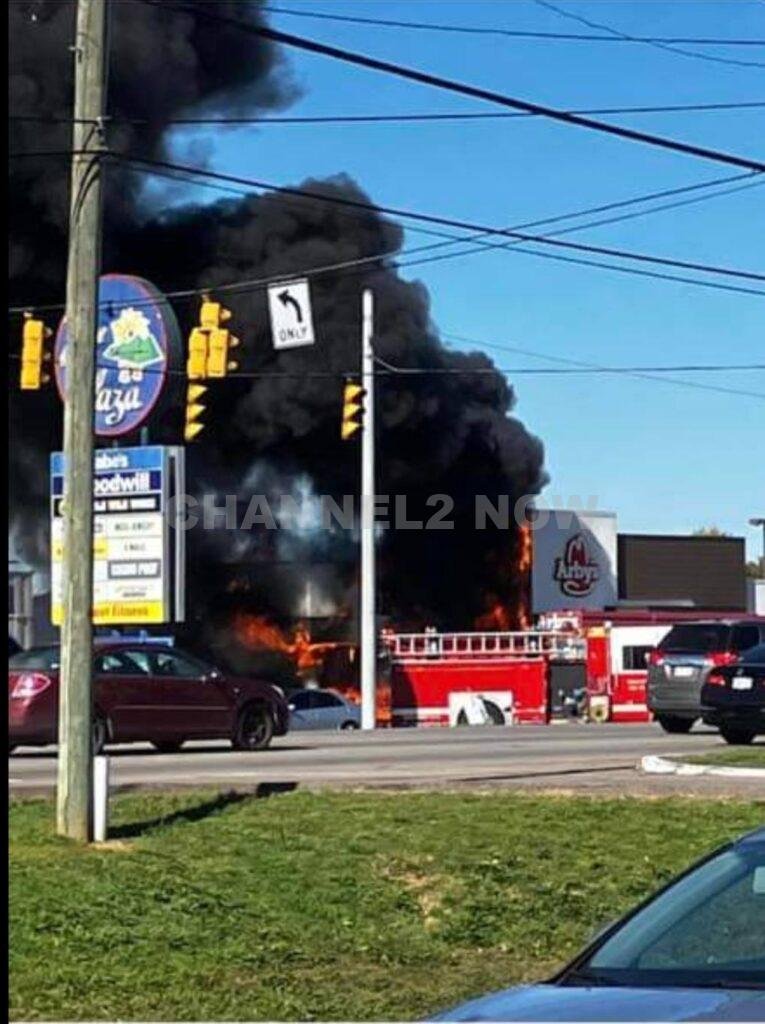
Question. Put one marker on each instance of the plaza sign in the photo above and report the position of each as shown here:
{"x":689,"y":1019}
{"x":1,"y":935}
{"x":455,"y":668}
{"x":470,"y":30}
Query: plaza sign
{"x":136,"y":328}
{"x":133,"y":572}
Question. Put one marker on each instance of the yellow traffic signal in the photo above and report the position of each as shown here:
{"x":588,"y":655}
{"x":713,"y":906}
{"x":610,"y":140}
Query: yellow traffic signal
{"x":196,"y":367}
{"x":218,"y":363}
{"x":33,"y":354}
{"x":352,"y":406}
{"x":194,"y":409}
{"x":213,"y":314}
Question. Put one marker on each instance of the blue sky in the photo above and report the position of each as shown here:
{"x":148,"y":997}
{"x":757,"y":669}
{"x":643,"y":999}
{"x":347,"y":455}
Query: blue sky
{"x":665,"y":458}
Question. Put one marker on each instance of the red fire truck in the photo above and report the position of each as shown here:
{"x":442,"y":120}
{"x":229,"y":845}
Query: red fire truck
{"x":471,"y":678}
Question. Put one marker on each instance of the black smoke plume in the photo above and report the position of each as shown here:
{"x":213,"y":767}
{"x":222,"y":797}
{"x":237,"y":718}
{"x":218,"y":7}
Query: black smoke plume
{"x":438,"y":434}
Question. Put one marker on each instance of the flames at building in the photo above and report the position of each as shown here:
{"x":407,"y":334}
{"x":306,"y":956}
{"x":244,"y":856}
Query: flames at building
{"x":290,"y":594}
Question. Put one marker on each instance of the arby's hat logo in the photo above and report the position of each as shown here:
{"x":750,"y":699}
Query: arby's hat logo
{"x":575,"y":570}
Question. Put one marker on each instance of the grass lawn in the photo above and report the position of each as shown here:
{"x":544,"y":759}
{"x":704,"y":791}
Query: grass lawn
{"x":734,"y":757}
{"x":346,"y":906}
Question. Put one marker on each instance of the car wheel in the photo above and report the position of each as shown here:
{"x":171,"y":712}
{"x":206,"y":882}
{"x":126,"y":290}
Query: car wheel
{"x":673,"y":724}
{"x":100,"y":734}
{"x":349,"y":726}
{"x":737,"y":735}
{"x":254,"y":728}
{"x":167,"y":746}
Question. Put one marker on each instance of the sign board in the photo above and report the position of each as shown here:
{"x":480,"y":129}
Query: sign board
{"x":133,"y":574}
{"x":136,"y":327}
{"x":574,"y":564}
{"x":289,"y":307}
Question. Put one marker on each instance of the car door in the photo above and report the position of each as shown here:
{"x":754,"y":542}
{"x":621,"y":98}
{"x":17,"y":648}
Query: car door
{"x":302,"y":715}
{"x":191,"y":700}
{"x":330,"y":710}
{"x":120,"y":681}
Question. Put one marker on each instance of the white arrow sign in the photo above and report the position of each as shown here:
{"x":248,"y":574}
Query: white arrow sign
{"x":289,"y":305}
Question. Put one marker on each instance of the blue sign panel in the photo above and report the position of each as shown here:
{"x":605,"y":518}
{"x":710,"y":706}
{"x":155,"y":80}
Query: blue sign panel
{"x":131,"y":575}
{"x":135,"y":329}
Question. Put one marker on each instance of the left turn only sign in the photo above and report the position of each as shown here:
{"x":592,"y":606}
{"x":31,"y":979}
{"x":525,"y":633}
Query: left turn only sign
{"x":289,"y":307}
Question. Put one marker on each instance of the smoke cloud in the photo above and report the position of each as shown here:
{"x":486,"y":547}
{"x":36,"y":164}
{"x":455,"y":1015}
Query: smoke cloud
{"x":451,"y":434}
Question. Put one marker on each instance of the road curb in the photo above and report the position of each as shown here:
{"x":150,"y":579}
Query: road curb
{"x":655,"y":765}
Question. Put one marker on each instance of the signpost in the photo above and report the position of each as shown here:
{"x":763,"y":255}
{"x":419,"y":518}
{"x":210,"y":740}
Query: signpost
{"x":289,"y":306}
{"x":133,"y":573}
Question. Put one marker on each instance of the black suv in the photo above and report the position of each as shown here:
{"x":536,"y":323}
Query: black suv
{"x":679,"y":666}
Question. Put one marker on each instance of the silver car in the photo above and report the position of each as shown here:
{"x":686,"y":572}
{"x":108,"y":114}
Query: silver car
{"x":322,"y":709}
{"x":680,"y":664}
{"x":695,"y":951}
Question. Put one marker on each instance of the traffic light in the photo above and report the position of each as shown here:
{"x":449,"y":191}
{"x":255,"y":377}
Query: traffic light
{"x":193,"y":410}
{"x":352,"y":407}
{"x":218,"y":363}
{"x":196,"y":366}
{"x":208,"y":356}
{"x":212,"y":314}
{"x":33,"y":354}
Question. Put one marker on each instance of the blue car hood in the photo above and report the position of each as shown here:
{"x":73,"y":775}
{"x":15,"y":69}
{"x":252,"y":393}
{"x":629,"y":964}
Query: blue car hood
{"x":564,"y":1003}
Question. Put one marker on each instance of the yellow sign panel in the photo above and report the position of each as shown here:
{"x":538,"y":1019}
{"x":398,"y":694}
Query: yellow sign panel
{"x":115,"y":612}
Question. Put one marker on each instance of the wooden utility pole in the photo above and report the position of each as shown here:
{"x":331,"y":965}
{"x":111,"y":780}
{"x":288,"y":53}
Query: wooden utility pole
{"x":74,"y":813}
{"x":368,"y":629}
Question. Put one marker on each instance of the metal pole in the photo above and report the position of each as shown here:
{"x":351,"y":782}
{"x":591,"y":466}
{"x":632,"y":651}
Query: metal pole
{"x":74,"y":808}
{"x":368,"y":578}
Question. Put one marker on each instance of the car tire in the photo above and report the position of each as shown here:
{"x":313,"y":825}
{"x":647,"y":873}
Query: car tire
{"x":738,"y":736}
{"x":349,"y":726}
{"x":167,"y":746}
{"x":11,"y":748}
{"x":674,"y":724}
{"x":254,"y":728}
{"x":100,"y":734}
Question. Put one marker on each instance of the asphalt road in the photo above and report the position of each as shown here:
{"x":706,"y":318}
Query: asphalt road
{"x":565,"y":756}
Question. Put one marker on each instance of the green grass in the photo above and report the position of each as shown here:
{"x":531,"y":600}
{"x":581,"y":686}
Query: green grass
{"x":734,"y":757}
{"x":346,"y":906}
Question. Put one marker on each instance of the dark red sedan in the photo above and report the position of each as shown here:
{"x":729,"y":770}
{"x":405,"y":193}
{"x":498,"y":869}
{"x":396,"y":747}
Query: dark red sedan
{"x":145,"y":691}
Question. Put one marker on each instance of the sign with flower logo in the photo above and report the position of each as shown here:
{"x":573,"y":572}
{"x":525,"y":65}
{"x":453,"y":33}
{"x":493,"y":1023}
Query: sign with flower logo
{"x":135,"y":327}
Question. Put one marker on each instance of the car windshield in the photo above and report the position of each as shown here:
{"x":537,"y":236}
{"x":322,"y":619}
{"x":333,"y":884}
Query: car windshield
{"x":696,"y":637}
{"x":43,"y":658}
{"x":708,"y":929}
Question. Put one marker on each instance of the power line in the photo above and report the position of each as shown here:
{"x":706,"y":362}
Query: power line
{"x":512,"y":33}
{"x":360,"y":263}
{"x":449,"y":85}
{"x":448,"y":221}
{"x":351,"y":119}
{"x":644,"y":373}
{"x":658,"y":44}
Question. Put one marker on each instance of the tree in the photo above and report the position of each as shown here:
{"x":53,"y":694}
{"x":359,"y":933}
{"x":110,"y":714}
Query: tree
{"x":710,"y":531}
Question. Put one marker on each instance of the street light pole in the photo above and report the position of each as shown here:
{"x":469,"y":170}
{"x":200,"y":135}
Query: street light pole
{"x":368,"y":633}
{"x":74,"y":810}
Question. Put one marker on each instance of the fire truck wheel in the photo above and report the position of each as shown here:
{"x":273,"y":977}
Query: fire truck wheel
{"x":254,"y":728}
{"x":736,"y":735}
{"x":673,"y":724}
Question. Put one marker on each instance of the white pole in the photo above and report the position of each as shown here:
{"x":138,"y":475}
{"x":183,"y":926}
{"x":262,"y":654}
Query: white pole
{"x":100,"y":798}
{"x":368,"y":630}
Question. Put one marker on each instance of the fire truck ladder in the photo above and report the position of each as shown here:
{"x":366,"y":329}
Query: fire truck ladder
{"x":525,"y":644}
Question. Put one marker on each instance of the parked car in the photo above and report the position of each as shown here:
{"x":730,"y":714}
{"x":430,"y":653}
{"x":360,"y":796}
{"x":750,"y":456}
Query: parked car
{"x":146,"y":691}
{"x":695,"y":951}
{"x":322,"y":709}
{"x":679,"y":665}
{"x":733,"y":697}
